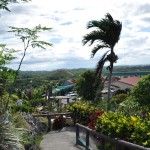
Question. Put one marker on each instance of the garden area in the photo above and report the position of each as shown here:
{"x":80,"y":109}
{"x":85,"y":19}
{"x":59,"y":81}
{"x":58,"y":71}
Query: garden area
{"x":129,"y":121}
{"x":123,"y":116}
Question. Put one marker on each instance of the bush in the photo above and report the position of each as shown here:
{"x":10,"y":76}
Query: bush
{"x":22,"y":108}
{"x":93,"y":118}
{"x":133,"y":129}
{"x":58,"y":122}
{"x":141,"y":92}
{"x":116,"y":100}
{"x":36,"y":102}
{"x":82,"y":110}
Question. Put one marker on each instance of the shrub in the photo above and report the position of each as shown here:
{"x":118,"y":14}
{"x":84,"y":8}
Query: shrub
{"x":133,"y":129}
{"x":93,"y":117}
{"x":22,"y":108}
{"x":36,"y":102}
{"x":140,"y":92}
{"x":82,"y":110}
{"x":58,"y":122}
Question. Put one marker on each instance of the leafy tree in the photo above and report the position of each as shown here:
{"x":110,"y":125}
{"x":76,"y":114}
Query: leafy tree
{"x":107,"y":32}
{"x":85,"y":86}
{"x":29,"y":38}
{"x":141,"y":92}
{"x":6,"y":73}
{"x":117,"y":99}
{"x":4,"y":3}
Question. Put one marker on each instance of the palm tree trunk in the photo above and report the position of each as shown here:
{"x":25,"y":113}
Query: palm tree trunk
{"x":109,"y":82}
{"x":109,"y":89}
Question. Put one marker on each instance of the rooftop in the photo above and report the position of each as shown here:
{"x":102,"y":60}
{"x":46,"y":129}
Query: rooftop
{"x":131,"y":80}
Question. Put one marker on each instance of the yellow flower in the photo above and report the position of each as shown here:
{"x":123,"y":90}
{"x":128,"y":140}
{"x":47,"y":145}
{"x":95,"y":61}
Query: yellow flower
{"x":148,"y":133}
{"x":133,"y":118}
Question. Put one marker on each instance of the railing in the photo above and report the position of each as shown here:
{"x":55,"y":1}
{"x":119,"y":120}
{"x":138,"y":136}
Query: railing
{"x":119,"y":144}
{"x":51,"y":116}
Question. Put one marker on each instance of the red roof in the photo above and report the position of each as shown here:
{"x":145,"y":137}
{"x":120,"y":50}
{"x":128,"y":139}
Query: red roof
{"x":71,"y":81}
{"x":132,"y":80}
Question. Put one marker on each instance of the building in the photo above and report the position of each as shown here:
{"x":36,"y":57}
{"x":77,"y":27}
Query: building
{"x":123,"y":83}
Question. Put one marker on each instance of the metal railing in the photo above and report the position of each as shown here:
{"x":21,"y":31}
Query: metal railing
{"x":118,"y":143}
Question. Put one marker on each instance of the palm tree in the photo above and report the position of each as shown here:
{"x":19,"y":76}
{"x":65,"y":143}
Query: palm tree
{"x":107,"y":33}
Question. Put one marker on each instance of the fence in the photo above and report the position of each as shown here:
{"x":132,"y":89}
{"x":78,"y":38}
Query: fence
{"x":119,"y":144}
{"x":51,"y":116}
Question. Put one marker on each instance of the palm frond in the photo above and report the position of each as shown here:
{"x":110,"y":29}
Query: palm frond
{"x":91,"y":37}
{"x":100,"y":65}
{"x":107,"y":31}
{"x":96,"y":48}
{"x":109,"y":17}
{"x":93,"y":23}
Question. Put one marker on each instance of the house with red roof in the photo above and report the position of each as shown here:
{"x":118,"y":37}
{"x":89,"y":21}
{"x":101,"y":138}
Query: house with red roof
{"x":126,"y":82}
{"x":69,"y":82}
{"x":122,"y":83}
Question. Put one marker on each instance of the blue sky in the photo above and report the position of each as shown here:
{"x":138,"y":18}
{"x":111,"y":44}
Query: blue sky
{"x":68,"y":19}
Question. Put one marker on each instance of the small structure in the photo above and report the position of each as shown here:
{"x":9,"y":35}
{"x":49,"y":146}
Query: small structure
{"x":122,"y":83}
{"x":62,"y":101}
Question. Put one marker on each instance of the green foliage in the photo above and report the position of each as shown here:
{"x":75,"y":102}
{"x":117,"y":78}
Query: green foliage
{"x":22,"y":108}
{"x":129,"y":107}
{"x":106,"y":34}
{"x":30,"y":38}
{"x":36,"y":102}
{"x":26,"y":139}
{"x":85,"y":85}
{"x":4,"y":3}
{"x":9,"y":136}
{"x":18,"y":121}
{"x":141,"y":92}
{"x":30,"y":35}
{"x":113,"y":124}
{"x":141,"y":131}
{"x":6,"y":74}
{"x":14,"y":97}
{"x":119,"y":98}
{"x":116,"y":100}
{"x":133,"y":129}
{"x":82,"y":110}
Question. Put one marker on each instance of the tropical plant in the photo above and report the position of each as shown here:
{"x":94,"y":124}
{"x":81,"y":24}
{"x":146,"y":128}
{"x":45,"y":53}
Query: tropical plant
{"x":82,"y":111}
{"x":107,"y":32}
{"x":116,"y":100}
{"x":6,"y":74}
{"x":85,"y":85}
{"x":140,"y":93}
{"x":29,"y":38}
{"x":132,"y":129}
{"x":129,"y":107}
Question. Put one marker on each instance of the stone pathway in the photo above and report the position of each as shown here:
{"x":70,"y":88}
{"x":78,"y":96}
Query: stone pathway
{"x":64,"y":139}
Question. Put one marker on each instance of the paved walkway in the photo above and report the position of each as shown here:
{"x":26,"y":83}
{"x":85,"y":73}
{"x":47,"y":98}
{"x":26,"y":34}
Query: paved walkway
{"x":60,"y":140}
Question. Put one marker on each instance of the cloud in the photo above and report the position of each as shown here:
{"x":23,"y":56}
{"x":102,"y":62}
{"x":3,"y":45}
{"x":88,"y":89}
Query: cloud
{"x":68,"y":20}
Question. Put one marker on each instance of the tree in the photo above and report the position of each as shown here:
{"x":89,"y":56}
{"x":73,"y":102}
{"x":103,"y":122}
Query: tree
{"x":141,"y":92}
{"x":29,"y":38}
{"x":4,"y":3}
{"x":107,"y":32}
{"x":6,"y":73}
{"x":85,"y":85}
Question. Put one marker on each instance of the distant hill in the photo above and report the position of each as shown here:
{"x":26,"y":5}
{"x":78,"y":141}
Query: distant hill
{"x":39,"y":78}
{"x":60,"y":74}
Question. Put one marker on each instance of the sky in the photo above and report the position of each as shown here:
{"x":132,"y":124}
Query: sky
{"x":68,"y":20}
